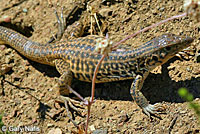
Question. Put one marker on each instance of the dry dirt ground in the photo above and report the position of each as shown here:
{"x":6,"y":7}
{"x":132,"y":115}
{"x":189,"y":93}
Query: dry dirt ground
{"x":27,"y":93}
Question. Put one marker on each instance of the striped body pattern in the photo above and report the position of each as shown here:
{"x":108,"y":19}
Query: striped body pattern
{"x":77,"y":58}
{"x":79,"y":53}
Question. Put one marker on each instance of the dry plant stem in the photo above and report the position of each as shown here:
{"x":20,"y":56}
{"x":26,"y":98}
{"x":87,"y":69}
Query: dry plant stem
{"x":93,"y":90}
{"x":147,"y":28}
{"x":78,"y":95}
{"x":94,"y":77}
{"x":117,"y":44}
{"x":88,"y":115}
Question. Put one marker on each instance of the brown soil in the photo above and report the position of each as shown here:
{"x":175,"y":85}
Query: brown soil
{"x":28,"y":96}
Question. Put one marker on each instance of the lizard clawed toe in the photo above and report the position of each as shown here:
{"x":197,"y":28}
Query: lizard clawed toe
{"x":153,"y":109}
{"x":73,"y":104}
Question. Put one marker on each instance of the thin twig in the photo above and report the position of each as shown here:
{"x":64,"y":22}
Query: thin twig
{"x":117,"y":44}
{"x":123,"y":40}
{"x":77,"y":94}
{"x":148,"y":28}
{"x":172,"y":123}
{"x":94,"y":77}
{"x":93,"y":91}
{"x":88,"y":117}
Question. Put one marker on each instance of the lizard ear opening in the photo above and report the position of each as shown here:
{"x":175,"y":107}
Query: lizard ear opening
{"x":155,"y":58}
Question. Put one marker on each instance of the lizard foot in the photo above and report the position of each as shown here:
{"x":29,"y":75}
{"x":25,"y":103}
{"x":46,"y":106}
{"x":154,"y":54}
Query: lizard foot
{"x":73,"y":104}
{"x":153,"y":109}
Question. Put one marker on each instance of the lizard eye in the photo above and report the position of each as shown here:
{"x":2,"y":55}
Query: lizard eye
{"x":168,"y":48}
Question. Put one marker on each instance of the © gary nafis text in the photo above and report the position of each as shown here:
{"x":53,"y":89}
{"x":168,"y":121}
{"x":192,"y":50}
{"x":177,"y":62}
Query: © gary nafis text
{"x":23,"y":129}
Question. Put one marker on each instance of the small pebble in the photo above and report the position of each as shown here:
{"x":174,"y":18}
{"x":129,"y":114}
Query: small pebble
{"x":162,"y":9}
{"x":5,"y":19}
{"x":25,"y":10}
{"x":50,"y":90}
{"x":92,"y":128}
{"x":100,"y":131}
{"x":49,"y":125}
{"x":55,"y":131}
{"x":103,"y":106}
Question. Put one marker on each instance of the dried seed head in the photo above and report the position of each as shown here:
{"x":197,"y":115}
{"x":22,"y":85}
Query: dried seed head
{"x":103,"y":46}
{"x":192,"y":8}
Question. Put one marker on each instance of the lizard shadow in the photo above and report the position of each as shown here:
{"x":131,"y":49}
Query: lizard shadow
{"x":42,"y":109}
{"x":45,"y":69}
{"x":156,"y":88}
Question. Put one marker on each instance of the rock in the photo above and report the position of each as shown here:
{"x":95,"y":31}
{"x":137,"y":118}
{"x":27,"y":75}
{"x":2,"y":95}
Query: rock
{"x":55,"y":131}
{"x":49,"y":125}
{"x":106,"y":12}
{"x":92,"y":128}
{"x":100,"y":131}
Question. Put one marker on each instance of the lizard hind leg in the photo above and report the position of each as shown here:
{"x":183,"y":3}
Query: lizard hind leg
{"x":65,"y":78}
{"x":141,"y":101}
{"x":63,"y":82}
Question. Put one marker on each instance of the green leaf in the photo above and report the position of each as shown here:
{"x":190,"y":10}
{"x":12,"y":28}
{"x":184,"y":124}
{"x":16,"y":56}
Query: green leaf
{"x":183,"y":92}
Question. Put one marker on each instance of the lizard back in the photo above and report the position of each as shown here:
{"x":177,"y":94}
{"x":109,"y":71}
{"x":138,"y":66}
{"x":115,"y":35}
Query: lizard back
{"x":80,"y":54}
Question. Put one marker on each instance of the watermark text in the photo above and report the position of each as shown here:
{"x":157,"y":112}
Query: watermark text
{"x":20,"y":129}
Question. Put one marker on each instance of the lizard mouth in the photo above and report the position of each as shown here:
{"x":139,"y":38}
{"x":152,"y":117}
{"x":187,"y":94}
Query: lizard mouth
{"x":182,"y":45}
{"x":187,"y":41}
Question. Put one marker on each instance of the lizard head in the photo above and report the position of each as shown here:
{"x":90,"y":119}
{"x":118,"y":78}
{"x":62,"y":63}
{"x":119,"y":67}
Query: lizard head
{"x":159,"y":50}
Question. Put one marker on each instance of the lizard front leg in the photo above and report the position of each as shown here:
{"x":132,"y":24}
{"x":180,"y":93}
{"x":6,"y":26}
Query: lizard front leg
{"x":140,"y":100}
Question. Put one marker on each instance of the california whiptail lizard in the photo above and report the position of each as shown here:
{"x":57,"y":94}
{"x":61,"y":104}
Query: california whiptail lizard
{"x":76,"y":58}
